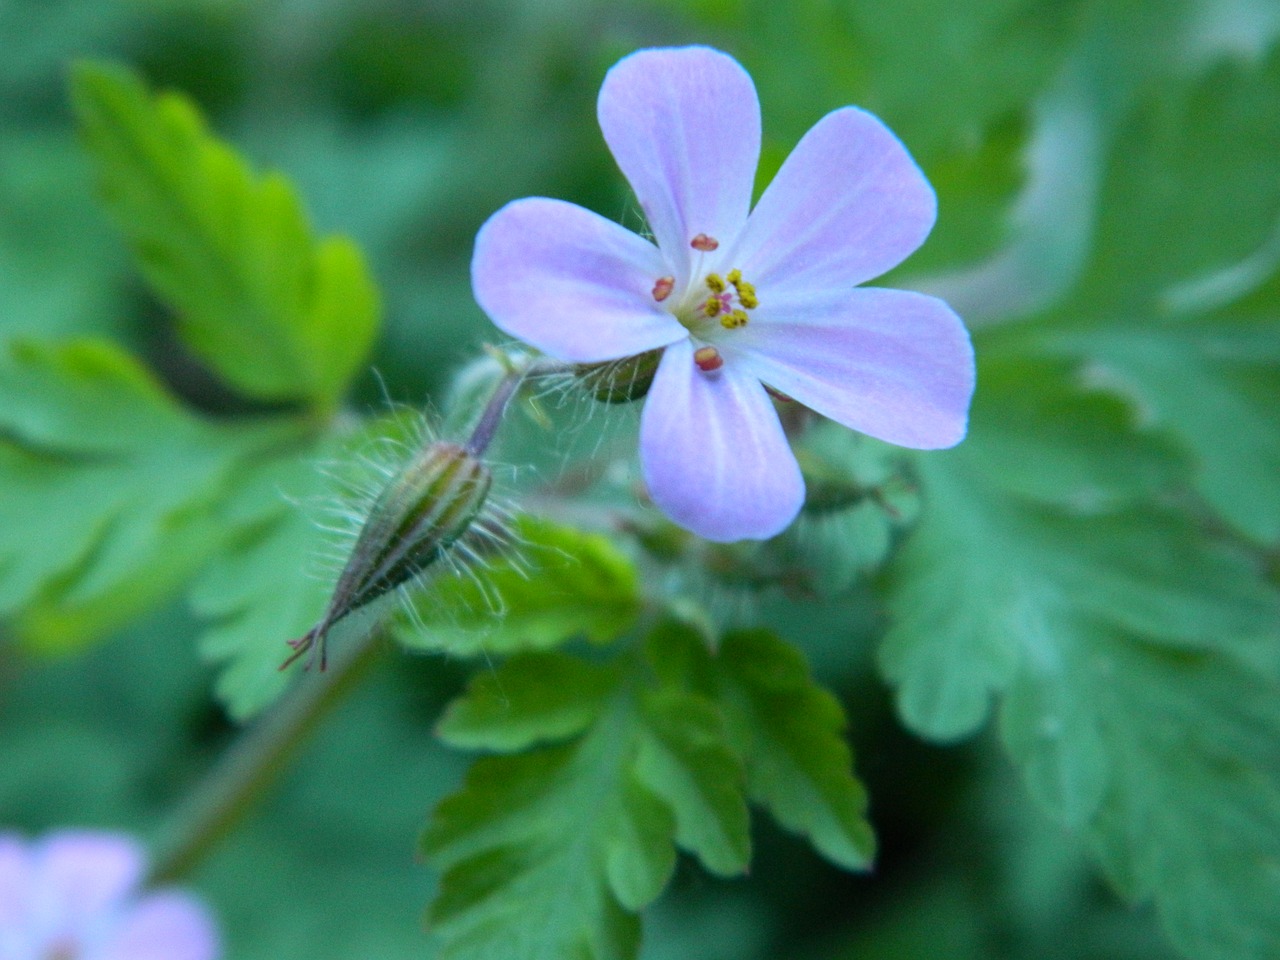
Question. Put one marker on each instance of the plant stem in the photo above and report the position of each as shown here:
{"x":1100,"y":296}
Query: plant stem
{"x":238,"y":781}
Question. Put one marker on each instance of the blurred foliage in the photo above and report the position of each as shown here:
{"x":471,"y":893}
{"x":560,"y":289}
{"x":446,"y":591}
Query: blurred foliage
{"x":1096,"y":566}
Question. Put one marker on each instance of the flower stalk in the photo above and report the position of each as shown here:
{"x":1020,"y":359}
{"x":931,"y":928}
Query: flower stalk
{"x":426,"y":507}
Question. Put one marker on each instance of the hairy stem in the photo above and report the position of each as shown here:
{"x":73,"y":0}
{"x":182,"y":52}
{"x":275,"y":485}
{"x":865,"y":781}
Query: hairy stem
{"x":496,"y":408}
{"x":247,"y":771}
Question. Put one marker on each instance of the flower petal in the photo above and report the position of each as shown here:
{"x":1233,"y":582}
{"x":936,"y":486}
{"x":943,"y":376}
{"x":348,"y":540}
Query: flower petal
{"x":847,"y":205}
{"x":79,"y":876}
{"x":684,"y":126}
{"x":164,"y":926}
{"x":569,"y":282}
{"x":15,"y":881}
{"x":713,"y":452}
{"x":893,"y":364}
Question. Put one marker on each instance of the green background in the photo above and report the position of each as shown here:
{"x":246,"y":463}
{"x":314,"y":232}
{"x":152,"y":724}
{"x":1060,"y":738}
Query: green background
{"x":1103,"y":167}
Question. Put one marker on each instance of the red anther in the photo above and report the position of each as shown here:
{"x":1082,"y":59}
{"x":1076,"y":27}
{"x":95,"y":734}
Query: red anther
{"x":704,"y":243}
{"x":708,"y":359}
{"x":662,"y":289}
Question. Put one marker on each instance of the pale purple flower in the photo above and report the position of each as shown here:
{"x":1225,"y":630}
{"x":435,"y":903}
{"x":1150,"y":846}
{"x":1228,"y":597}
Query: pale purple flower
{"x":737,"y":301}
{"x":74,"y":895}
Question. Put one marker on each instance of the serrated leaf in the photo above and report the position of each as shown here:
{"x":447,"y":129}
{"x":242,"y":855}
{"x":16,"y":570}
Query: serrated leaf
{"x":1111,"y":637}
{"x":788,"y":730}
{"x":276,"y":312}
{"x":556,"y":584}
{"x":266,"y":588}
{"x":683,"y":758}
{"x":525,"y":872}
{"x":111,"y":489}
{"x":799,"y":766}
{"x":547,"y":853}
{"x":532,"y":698}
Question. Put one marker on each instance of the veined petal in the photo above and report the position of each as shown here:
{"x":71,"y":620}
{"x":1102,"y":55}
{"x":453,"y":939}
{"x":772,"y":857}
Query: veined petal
{"x":889,"y":363}
{"x":684,"y":126}
{"x":79,"y":875}
{"x":848,"y":204}
{"x":713,"y":452}
{"x":164,"y":926}
{"x":569,"y":282}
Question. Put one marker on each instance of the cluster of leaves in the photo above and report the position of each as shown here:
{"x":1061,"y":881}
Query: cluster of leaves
{"x":608,"y":761}
{"x":152,"y":497}
{"x":1094,"y":556}
{"x":666,"y":740}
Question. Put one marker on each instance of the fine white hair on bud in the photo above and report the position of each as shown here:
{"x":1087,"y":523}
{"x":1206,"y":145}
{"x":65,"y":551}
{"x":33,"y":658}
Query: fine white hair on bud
{"x":423,"y":510}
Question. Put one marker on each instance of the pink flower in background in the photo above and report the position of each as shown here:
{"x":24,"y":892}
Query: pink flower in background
{"x":75,"y":896}
{"x":737,"y":297}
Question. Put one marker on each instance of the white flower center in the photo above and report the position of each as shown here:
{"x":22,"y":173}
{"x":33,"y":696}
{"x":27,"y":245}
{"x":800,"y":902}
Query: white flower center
{"x":717,"y":302}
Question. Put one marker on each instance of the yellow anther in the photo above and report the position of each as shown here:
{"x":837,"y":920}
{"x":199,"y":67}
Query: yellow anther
{"x":734,"y":319}
{"x":712,"y":306}
{"x":748,"y":299}
{"x":735,"y":276}
{"x":714,"y":283}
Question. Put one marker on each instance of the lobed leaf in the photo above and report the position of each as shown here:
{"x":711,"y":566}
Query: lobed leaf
{"x":1111,"y":638}
{"x":787,"y":729}
{"x":112,"y":489}
{"x":279,"y":314}
{"x":548,"y":853}
{"x":535,"y":698}
{"x":557,"y":583}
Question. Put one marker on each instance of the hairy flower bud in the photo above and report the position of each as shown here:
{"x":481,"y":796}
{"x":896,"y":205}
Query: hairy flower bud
{"x":427,"y":506}
{"x":620,"y":381}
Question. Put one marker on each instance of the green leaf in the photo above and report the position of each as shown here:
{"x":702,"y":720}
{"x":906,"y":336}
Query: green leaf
{"x":1178,"y":309}
{"x":1112,"y":637}
{"x":277,"y":313}
{"x":788,"y":730}
{"x":557,"y":583}
{"x":1215,"y":388}
{"x":534,"y":698}
{"x":684,"y":759}
{"x":1050,"y":434}
{"x":111,"y":489}
{"x":267,"y":586}
{"x":547,"y":853}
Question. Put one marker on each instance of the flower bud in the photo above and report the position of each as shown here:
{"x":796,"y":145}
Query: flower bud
{"x":427,"y":506}
{"x":620,"y":381}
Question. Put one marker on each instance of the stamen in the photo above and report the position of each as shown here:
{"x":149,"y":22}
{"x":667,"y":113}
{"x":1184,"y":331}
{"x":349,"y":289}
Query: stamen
{"x":735,"y":276}
{"x":712,"y":306}
{"x":704,"y":243}
{"x":662,"y":289}
{"x":734,"y":319}
{"x":708,"y":359}
{"x":714,"y":283}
